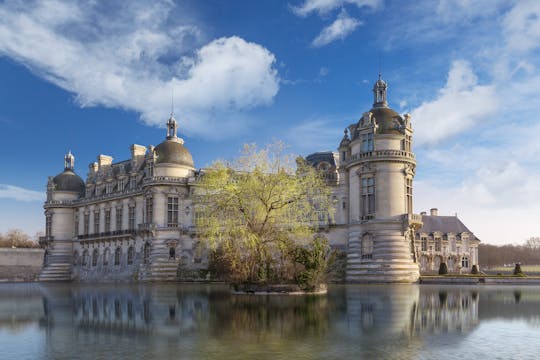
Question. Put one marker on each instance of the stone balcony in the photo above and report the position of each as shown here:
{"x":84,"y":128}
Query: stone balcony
{"x":107,"y":235}
{"x":381,"y":155}
{"x":44,"y":240}
{"x":147,"y":227}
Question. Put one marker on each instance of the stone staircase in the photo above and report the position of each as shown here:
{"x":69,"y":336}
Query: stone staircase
{"x":161,"y":270}
{"x":58,"y":266}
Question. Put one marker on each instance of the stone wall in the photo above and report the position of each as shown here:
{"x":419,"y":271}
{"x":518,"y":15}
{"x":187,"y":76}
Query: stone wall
{"x":20,"y":264}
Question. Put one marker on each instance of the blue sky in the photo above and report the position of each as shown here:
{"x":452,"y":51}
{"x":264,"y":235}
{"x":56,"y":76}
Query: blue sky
{"x":95,"y":78}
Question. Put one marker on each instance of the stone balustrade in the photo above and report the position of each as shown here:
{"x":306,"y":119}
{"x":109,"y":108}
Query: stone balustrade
{"x":380,"y":154}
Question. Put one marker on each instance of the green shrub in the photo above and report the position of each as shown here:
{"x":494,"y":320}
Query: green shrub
{"x":517,"y":269}
{"x":443,"y":269}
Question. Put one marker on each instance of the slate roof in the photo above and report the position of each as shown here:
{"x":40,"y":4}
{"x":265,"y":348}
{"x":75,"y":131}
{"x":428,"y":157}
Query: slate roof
{"x":443,"y":224}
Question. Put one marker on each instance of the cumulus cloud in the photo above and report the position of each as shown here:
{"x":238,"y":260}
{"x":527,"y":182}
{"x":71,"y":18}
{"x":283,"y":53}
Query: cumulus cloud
{"x":339,"y":29}
{"x":20,"y":194}
{"x":459,"y":105}
{"x":323,"y":7}
{"x":134,"y":56}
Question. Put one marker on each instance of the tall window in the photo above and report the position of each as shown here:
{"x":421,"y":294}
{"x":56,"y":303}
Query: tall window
{"x":86,"y":223}
{"x":76,"y":223}
{"x":85,"y":258}
{"x":368,"y":197}
{"x":131,"y":218}
{"x":117,"y":254}
{"x":48,"y":225}
{"x":172,"y":211}
{"x":107,"y":220}
{"x":423,"y":240}
{"x":408,"y":192}
{"x":149,"y":207}
{"x":437,"y":244}
{"x":146,"y":253}
{"x":95,"y":256}
{"x":367,"y":246}
{"x":96,"y":222}
{"x":367,"y":142}
{"x":106,"y":255}
{"x":109,"y":187}
{"x":465,"y":262}
{"x":119,"y":218}
{"x":406,"y":143}
{"x":121,"y":184}
{"x":130,"y":255}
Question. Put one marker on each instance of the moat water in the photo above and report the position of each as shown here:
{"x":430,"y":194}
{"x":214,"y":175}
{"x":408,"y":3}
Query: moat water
{"x":190,"y":321}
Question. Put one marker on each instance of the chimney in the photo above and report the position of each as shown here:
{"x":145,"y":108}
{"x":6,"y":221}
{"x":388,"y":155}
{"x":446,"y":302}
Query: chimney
{"x":104,"y":160}
{"x":137,"y":150}
{"x":423,"y":213}
{"x":434,"y":212}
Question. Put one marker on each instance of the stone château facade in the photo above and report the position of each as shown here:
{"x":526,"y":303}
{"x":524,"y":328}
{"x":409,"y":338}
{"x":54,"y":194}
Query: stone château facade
{"x":132,"y":220}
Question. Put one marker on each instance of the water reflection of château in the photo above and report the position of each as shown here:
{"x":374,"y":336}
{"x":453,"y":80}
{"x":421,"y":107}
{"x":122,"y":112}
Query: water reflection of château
{"x":163,"y":319}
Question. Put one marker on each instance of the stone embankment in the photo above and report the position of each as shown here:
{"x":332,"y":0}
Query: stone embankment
{"x":20,"y":264}
{"x":480,"y":280}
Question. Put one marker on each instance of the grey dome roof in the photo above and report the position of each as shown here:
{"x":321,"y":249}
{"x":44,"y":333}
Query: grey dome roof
{"x":69,"y":181}
{"x":172,"y":151}
{"x":388,"y":120}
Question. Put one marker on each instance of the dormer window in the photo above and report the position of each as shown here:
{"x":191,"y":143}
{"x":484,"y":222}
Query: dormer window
{"x":367,"y":142}
{"x":133,"y":182}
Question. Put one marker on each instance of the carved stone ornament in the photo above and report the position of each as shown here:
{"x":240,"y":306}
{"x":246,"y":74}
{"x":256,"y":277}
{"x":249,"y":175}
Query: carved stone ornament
{"x":367,"y":119}
{"x":409,"y":170}
{"x":365,"y":168}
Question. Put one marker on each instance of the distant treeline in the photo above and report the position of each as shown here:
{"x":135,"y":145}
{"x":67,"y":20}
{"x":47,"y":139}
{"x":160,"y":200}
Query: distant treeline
{"x":19,"y":239}
{"x":526,"y":254}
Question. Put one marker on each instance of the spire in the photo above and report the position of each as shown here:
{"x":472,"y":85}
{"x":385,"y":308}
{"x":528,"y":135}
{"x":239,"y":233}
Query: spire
{"x":69,"y":161}
{"x":172,"y":127}
{"x":379,"y":92}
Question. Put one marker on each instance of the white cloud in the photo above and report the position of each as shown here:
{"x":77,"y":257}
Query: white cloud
{"x":135,"y":55}
{"x":339,"y":29}
{"x":521,"y":26}
{"x":325,"y":6}
{"x":20,"y":194}
{"x":460,"y":105}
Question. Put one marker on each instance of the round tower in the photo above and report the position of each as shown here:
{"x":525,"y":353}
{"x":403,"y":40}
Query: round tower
{"x":62,"y":190}
{"x":380,"y":168}
{"x":166,"y":193}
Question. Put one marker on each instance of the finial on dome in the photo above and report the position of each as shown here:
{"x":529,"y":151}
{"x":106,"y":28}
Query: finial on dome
{"x":172,"y":127}
{"x":379,"y":92}
{"x":69,"y":161}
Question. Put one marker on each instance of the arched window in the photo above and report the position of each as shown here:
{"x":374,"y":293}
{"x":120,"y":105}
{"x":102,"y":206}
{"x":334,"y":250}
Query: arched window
{"x":85,"y":258}
{"x":106,"y":255}
{"x":117,"y":254}
{"x":95,"y":255}
{"x":423,"y":263}
{"x":465,"y":262}
{"x":130,"y":255}
{"x":367,"y":246}
{"x":172,"y":252}
{"x":75,"y":258}
{"x":146,"y":253}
